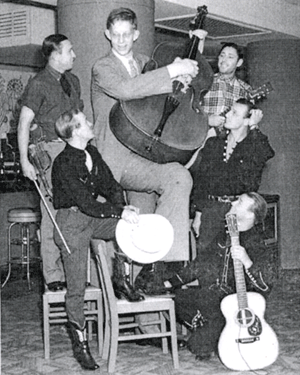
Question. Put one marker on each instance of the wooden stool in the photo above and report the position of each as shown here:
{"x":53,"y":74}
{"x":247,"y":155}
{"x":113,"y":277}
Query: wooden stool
{"x":23,"y":217}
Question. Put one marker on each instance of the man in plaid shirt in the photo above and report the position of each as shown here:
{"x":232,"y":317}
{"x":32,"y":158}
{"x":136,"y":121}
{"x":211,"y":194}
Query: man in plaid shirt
{"x":226,"y":87}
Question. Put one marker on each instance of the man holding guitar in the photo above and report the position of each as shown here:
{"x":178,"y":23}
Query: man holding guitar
{"x":199,"y":307}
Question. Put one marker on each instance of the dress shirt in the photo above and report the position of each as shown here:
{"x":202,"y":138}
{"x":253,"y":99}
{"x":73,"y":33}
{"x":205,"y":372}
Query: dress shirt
{"x":44,"y":95}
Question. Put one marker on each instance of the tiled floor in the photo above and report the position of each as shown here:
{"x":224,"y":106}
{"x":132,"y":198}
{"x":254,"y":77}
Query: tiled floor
{"x":22,"y":345}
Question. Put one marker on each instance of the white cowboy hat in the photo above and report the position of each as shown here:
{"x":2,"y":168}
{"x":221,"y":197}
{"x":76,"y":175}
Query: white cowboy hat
{"x":148,"y":241}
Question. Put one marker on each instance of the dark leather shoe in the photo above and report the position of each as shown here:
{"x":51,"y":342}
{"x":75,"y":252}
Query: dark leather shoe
{"x":56,"y":286}
{"x":182,"y":344}
{"x":149,"y":342}
{"x":203,"y":357}
{"x":123,"y":288}
{"x":150,"y":280}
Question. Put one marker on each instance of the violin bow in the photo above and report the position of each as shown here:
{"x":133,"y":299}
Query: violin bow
{"x":52,"y":217}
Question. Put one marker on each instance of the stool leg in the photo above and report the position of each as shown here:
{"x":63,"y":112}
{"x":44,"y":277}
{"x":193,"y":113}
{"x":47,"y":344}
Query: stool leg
{"x":28,"y":255}
{"x":8,"y":255}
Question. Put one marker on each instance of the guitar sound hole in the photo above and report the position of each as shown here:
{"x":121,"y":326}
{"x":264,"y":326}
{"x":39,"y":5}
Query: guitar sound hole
{"x":245,"y":317}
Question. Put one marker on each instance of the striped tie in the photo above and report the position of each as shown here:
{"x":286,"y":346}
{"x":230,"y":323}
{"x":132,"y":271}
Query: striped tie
{"x":133,"y":70}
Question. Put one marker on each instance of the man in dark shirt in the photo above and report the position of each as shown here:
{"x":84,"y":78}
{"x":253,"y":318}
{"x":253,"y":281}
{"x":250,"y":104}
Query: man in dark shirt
{"x":79,"y":176}
{"x":230,"y":165}
{"x":199,"y":307}
{"x":50,"y":93}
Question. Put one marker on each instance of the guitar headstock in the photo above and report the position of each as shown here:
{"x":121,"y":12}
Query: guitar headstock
{"x":261,"y":92}
{"x":232,"y":225}
{"x":197,"y":21}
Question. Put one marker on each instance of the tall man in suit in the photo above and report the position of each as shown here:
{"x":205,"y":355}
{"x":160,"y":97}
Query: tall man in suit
{"x":118,"y":76}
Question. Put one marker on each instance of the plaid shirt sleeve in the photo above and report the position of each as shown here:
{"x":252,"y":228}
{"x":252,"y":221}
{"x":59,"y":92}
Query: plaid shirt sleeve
{"x":223,"y":94}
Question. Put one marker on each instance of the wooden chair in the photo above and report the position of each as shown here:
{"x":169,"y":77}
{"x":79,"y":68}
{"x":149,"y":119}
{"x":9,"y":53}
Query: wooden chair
{"x":115,"y":308}
{"x":54,"y":312}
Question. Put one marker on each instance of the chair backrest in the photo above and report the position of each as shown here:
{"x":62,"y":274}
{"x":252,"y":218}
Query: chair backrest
{"x":110,"y":302}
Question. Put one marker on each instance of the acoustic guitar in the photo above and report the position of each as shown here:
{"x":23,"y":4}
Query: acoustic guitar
{"x":247,"y":342}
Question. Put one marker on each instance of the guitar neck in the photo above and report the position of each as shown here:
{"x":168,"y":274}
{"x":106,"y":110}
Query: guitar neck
{"x":239,"y":278}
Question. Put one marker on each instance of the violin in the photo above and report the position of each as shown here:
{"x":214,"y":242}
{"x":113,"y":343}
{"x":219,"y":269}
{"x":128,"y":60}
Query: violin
{"x":38,"y":156}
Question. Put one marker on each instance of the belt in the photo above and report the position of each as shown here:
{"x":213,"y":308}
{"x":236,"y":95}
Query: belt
{"x":224,"y":198}
{"x":57,"y":140}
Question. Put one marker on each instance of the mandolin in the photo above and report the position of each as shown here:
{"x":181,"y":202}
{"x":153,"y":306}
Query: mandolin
{"x":247,"y":342}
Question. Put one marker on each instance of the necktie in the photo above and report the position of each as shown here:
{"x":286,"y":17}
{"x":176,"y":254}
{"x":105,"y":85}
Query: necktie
{"x":133,"y":70}
{"x":65,"y":84}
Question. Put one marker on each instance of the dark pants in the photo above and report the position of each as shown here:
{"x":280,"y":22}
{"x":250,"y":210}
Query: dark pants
{"x":78,"y":229}
{"x":188,"y":302}
{"x":207,"y":265}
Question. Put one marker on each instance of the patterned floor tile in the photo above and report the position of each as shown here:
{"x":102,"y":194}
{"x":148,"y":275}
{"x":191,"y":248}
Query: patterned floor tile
{"x":22,"y":339}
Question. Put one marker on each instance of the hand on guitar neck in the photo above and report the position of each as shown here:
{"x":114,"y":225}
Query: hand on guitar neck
{"x":239,"y":253}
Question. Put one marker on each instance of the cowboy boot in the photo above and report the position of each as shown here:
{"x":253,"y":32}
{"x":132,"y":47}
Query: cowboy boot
{"x":150,"y":279}
{"x":121,"y":281}
{"x":81,"y":349}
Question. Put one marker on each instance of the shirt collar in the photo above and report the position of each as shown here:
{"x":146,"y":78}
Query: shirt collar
{"x":53,"y":72}
{"x":74,"y":150}
{"x":124,"y":60}
{"x":220,"y":77}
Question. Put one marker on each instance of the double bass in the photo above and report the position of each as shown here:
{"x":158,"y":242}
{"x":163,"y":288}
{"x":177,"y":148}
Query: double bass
{"x":169,"y":127}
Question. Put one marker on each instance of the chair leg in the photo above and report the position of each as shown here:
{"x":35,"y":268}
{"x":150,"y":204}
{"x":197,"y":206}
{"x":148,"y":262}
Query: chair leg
{"x":89,"y":322}
{"x":114,"y":333}
{"x":100,"y":324}
{"x":174,"y":338}
{"x":163,"y":328}
{"x":46,"y":325}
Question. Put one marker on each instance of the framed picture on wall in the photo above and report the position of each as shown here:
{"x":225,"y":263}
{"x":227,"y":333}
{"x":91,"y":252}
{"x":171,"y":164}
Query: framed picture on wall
{"x":270,"y":224}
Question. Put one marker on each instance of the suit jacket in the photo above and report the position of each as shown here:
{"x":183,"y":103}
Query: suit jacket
{"x":112,"y":82}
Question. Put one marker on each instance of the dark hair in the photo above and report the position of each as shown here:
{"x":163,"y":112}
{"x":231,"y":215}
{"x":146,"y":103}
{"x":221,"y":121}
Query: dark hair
{"x":249,"y":105}
{"x":66,"y":123}
{"x":123,"y":14}
{"x":235,"y":46}
{"x":259,"y":207}
{"x":52,"y":43}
